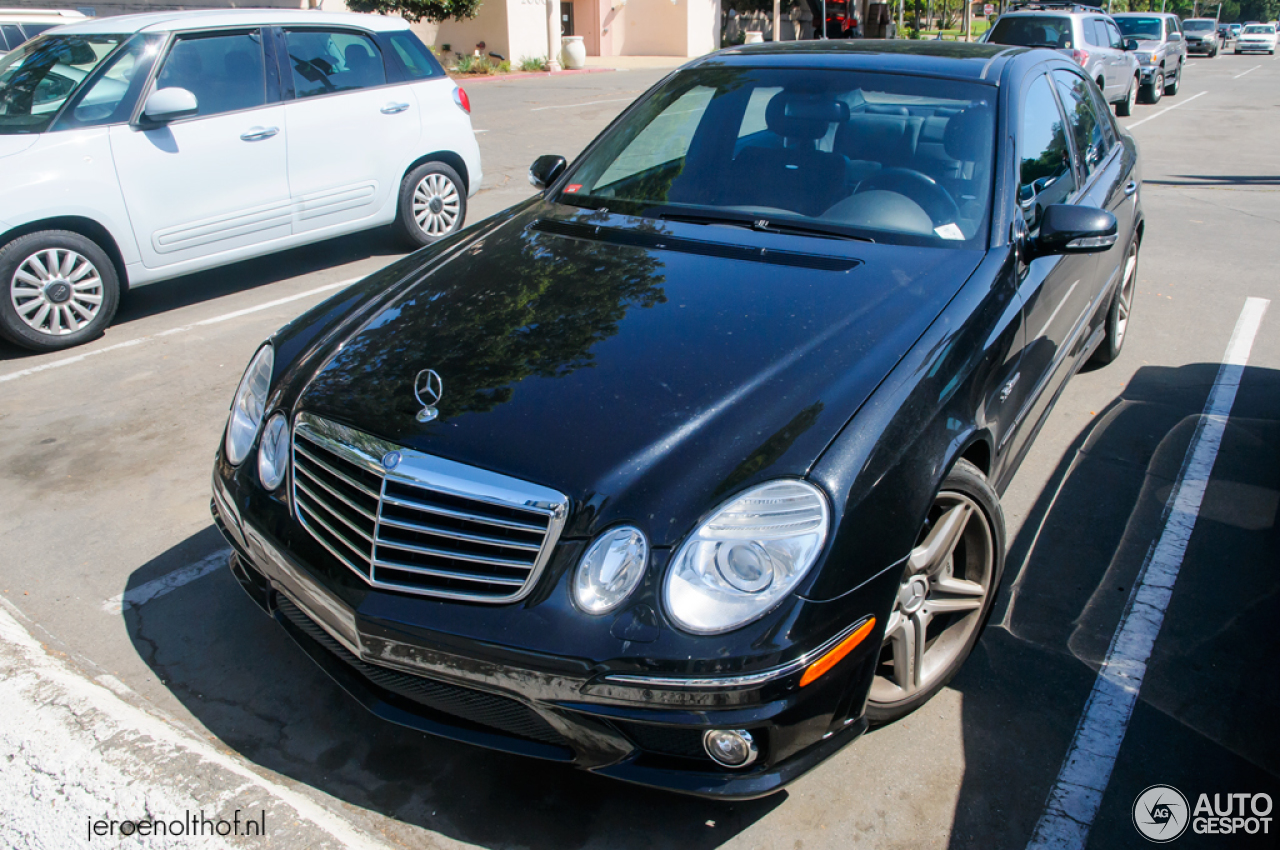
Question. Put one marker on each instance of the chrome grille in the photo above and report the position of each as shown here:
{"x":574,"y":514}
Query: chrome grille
{"x":428,"y":525}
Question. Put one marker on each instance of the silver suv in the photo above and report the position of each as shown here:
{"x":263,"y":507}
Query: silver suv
{"x":1162,"y":51}
{"x":1085,"y":33}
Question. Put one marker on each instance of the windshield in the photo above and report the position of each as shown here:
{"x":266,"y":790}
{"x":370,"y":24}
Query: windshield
{"x":1258,"y":30}
{"x":1147,"y":28}
{"x":904,"y":160}
{"x":1033,"y":31}
{"x":38,"y":77}
{"x":1197,"y":26}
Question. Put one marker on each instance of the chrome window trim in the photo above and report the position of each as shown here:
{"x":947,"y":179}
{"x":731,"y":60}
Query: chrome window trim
{"x":419,"y":470}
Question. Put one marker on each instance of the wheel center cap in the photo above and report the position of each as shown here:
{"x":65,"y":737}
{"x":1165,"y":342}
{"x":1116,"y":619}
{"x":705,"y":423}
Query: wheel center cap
{"x":58,"y":292}
{"x":436,"y":205}
{"x":913,"y":594}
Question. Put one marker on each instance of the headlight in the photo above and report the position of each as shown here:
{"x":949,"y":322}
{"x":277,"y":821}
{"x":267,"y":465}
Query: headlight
{"x":273,"y":454}
{"x":1148,"y":58}
{"x":610,"y":570}
{"x":248,"y":405}
{"x":747,"y":557}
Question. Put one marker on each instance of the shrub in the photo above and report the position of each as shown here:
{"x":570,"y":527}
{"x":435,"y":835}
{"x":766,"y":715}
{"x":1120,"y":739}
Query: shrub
{"x":532,"y":63}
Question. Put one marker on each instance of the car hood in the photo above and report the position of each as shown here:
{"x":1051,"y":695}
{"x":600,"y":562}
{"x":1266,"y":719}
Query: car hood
{"x":646,"y":370}
{"x":15,"y":144}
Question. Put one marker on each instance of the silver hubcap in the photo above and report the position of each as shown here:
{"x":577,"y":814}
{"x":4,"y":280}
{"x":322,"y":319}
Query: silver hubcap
{"x":436,"y":204}
{"x":56,"y":291}
{"x":1126,"y":295}
{"x":940,"y":601}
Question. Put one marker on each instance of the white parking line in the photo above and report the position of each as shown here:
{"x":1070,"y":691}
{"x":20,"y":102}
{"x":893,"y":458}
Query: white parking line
{"x":576,"y":105}
{"x":67,"y":361}
{"x":1242,"y":73}
{"x":1076,"y":796}
{"x":144,"y":593}
{"x":1163,"y":111}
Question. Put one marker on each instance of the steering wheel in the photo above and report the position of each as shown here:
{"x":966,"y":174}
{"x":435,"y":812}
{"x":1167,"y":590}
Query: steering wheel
{"x":921,"y":188}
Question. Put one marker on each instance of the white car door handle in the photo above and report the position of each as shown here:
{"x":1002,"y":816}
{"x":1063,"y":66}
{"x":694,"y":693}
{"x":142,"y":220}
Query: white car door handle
{"x":393,"y":108}
{"x":257,"y":134}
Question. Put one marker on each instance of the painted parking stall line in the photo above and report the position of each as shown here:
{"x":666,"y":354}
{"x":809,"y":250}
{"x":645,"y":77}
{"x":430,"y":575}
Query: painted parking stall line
{"x":585,"y":103}
{"x":226,"y":317}
{"x":1137,"y":124}
{"x":1251,"y":70}
{"x":166,"y":584}
{"x":1076,"y":796}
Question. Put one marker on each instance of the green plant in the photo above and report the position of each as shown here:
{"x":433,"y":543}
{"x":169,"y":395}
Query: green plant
{"x":504,"y":67}
{"x":532,"y":63}
{"x":416,"y":10}
{"x":466,"y":64}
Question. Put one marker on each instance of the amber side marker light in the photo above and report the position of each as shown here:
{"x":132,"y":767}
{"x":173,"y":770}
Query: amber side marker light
{"x":832,"y":658}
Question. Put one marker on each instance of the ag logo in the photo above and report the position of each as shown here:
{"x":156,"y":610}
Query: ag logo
{"x":1160,"y":813}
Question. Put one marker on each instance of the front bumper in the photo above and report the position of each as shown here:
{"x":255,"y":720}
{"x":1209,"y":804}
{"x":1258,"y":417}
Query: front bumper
{"x":1201,"y":48}
{"x":569,"y":710}
{"x":1254,"y":47}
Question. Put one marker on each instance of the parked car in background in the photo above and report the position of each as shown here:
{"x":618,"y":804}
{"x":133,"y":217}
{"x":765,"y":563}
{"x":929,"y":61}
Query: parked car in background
{"x":687,"y":469}
{"x":18,"y":26}
{"x":1161,"y":51}
{"x":1257,"y":38}
{"x":1087,"y":35}
{"x":203,"y":138}
{"x":1202,"y":35}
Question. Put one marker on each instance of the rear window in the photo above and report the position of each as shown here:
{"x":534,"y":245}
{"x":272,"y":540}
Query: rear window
{"x":1053,"y":31}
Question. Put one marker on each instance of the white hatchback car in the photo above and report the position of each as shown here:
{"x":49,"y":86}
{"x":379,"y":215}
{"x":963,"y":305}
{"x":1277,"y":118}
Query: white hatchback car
{"x":144,"y":147}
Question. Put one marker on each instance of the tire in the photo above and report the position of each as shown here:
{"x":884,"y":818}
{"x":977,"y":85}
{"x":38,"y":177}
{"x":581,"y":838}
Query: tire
{"x":1171,"y":88}
{"x":961,"y":543}
{"x":1153,"y":92}
{"x":432,"y":205}
{"x":1125,"y":107}
{"x":60,"y":290}
{"x":1118,"y":313}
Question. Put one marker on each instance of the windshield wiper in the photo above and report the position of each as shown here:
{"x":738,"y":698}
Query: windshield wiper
{"x":758,"y":224}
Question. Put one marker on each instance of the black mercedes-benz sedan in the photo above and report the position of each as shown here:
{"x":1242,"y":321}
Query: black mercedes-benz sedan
{"x":687,"y":469}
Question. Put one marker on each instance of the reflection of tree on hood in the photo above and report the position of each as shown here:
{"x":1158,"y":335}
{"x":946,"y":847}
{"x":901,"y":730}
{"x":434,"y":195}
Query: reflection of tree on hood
{"x":516,"y":305}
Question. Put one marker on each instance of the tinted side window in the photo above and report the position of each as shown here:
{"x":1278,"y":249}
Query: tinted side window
{"x":1046,"y":176}
{"x":327,"y":61}
{"x":33,"y":30}
{"x":1086,"y":128}
{"x":10,"y":36}
{"x":226,"y":73}
{"x":1116,"y":40}
{"x":417,"y":60}
{"x":1096,"y":32}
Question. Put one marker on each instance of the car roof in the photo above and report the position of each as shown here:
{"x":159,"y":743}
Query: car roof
{"x":950,"y":59}
{"x":204,"y":18}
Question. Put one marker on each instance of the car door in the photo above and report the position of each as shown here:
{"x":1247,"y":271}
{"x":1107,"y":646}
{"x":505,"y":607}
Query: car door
{"x":216,"y":182}
{"x":1099,"y":40}
{"x":1107,"y":171}
{"x":351,"y":133}
{"x":1053,"y":288}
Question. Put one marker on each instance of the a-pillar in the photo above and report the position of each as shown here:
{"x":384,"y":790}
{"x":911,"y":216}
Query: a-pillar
{"x":553,"y":35}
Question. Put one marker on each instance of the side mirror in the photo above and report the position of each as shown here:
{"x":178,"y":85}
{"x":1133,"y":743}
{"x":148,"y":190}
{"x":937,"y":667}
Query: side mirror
{"x":165,"y":105}
{"x":545,"y":170}
{"x":1069,"y":229}
{"x":1130,"y":44}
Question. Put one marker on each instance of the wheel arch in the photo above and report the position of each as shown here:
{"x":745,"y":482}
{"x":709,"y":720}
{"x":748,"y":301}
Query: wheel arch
{"x":449,"y":158}
{"x":86,"y":227}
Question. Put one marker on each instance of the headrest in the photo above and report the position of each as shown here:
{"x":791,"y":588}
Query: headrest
{"x":795,"y":115}
{"x":968,"y":135}
{"x":356,"y":55}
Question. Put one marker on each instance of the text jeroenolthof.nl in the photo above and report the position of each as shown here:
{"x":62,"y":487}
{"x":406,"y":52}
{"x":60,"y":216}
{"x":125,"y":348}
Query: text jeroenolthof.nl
{"x":189,"y":825}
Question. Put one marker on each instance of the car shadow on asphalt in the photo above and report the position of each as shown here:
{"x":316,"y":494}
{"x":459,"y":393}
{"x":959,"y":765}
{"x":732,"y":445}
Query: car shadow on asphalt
{"x":242,"y":677}
{"x":164,"y":296}
{"x":1204,"y":720}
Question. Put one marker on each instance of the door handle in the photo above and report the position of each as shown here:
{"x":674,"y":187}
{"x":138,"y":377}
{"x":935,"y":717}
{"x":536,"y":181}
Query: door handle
{"x":257,"y":134}
{"x":1130,"y":187}
{"x":393,"y":108}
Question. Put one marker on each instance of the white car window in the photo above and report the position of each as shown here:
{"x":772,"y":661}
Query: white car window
{"x":226,"y":73}
{"x":327,"y":61}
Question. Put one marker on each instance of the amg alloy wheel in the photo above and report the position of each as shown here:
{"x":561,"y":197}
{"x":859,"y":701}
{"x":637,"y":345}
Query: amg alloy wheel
{"x":433,"y":203}
{"x":944,"y":597}
{"x":61,"y":290}
{"x":1117,"y":322}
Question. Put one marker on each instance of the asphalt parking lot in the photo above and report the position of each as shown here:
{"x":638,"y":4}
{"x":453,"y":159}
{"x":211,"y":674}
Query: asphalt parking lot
{"x":110,"y":559}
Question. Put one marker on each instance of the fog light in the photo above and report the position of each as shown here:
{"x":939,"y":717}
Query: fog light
{"x":730,"y":747}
